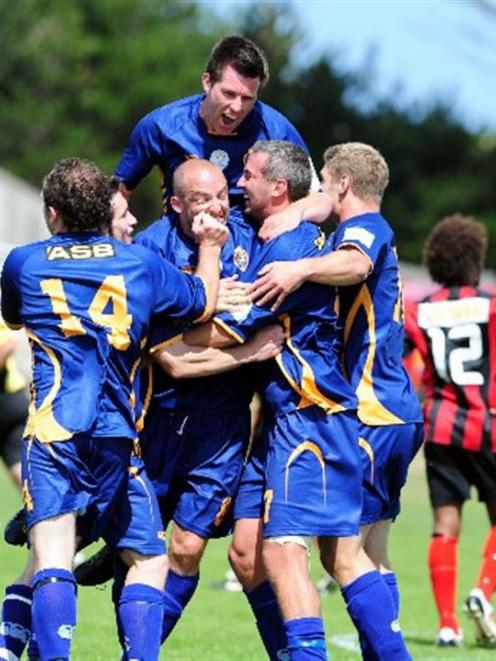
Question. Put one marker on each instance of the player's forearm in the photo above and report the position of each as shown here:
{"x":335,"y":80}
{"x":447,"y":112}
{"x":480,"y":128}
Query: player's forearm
{"x":187,"y":362}
{"x":339,"y":268}
{"x":208,"y":271}
{"x":316,"y":207}
{"x":209,"y":335}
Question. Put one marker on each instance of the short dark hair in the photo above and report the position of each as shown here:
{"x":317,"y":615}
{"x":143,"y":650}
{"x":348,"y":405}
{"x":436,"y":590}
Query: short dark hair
{"x":455,"y":251}
{"x":81,"y":193}
{"x":286,"y":161}
{"x":242,"y":54}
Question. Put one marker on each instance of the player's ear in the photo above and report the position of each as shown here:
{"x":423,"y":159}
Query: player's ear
{"x":280,"y":187}
{"x":206,"y":82}
{"x":344,"y":184}
{"x":175,"y":203}
{"x":52,"y":219}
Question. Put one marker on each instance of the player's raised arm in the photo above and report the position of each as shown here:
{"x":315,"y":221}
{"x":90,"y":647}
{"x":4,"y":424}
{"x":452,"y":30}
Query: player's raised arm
{"x":276,"y":281}
{"x":211,"y":234}
{"x":316,"y":207}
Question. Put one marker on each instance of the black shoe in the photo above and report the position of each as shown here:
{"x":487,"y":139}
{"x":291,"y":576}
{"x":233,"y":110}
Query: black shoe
{"x":16,"y":530}
{"x":96,"y":570}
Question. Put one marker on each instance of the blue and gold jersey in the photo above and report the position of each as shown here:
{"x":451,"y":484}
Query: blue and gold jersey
{"x":171,"y":134}
{"x":85,"y":301}
{"x":372,"y":317}
{"x":210,"y":393}
{"x":308,"y":371}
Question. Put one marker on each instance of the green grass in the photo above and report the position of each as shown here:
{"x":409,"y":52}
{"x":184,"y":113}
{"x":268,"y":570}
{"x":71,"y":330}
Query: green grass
{"x":218,"y":625}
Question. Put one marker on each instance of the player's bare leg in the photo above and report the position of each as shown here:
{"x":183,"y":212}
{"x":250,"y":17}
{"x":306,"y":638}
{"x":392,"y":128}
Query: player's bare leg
{"x":245,"y":553}
{"x":367,"y":595}
{"x":186,"y":550}
{"x":287,"y":568}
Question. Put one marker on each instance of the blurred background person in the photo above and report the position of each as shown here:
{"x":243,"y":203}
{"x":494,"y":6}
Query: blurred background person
{"x":454,"y":330}
{"x":13,"y":404}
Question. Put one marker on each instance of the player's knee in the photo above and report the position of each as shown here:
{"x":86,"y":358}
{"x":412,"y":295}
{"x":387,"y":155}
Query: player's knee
{"x":186,"y":551}
{"x":242,"y":557}
{"x":142,"y":567}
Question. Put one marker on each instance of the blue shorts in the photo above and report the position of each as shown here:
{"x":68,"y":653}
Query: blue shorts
{"x":386,"y":451}
{"x":313,"y":475}
{"x":91,"y":476}
{"x":249,"y":499}
{"x":195,"y":464}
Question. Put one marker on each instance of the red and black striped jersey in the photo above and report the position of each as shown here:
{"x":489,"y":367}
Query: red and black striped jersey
{"x":454,"y":331}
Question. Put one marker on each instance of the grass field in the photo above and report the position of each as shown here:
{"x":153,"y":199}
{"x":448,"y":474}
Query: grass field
{"x":218,"y":625}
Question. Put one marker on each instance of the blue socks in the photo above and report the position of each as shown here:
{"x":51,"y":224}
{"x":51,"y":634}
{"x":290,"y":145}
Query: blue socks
{"x":306,"y":639}
{"x":140,"y":619}
{"x":16,"y":620}
{"x":177,"y":594}
{"x":54,"y":611}
{"x":373,"y":612}
{"x":392,"y":583}
{"x":270,"y":624}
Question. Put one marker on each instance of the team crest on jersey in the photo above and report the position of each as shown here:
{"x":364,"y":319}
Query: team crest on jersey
{"x":320,"y":241}
{"x":220,"y":158}
{"x":240,"y":258}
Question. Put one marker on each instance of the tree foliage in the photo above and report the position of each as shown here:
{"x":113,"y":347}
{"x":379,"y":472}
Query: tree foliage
{"x":76,"y":75}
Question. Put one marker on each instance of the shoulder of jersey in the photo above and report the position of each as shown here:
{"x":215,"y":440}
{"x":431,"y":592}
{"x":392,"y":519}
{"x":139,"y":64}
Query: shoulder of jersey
{"x":274,"y":120}
{"x":176,"y":112}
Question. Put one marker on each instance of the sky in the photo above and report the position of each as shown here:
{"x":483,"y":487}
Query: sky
{"x":417,"y":50}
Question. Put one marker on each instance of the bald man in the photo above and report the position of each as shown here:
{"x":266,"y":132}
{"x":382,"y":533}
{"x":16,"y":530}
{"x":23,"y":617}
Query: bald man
{"x":196,"y":430}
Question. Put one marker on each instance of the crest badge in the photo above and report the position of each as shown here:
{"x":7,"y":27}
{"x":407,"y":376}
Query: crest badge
{"x":240,"y":258}
{"x":220,"y":158}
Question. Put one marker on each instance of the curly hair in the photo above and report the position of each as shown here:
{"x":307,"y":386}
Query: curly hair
{"x":455,"y":251}
{"x":81,"y":193}
{"x":242,"y":54}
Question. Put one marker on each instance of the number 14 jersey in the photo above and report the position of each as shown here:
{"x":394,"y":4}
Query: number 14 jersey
{"x":85,"y":301}
{"x":454,"y":330}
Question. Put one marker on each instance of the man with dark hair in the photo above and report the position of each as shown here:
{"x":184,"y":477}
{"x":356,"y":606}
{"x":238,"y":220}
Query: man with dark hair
{"x":85,"y":301}
{"x":453,"y":329}
{"x":219,"y":125}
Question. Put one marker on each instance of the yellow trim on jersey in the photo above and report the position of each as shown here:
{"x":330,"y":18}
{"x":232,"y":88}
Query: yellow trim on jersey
{"x":222,"y":511}
{"x":398,"y":314}
{"x":41,"y":421}
{"x":167,"y":343}
{"x":308,"y":390}
{"x":313,"y":448}
{"x":27,"y":499}
{"x":232,"y":333}
{"x":370,"y":409}
{"x":140,"y":422}
{"x":370,"y":452}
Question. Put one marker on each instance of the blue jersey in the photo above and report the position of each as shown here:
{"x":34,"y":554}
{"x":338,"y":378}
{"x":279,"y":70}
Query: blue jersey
{"x":217,"y":392}
{"x":372,"y":314}
{"x":85,"y":301}
{"x":308,"y":370}
{"x":169,"y":135}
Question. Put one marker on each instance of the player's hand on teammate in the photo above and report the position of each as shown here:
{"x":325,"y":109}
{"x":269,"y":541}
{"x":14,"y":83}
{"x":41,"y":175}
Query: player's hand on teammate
{"x":269,"y":342}
{"x":232,"y":294}
{"x":275,"y":282}
{"x":280,"y":222}
{"x":208,"y":230}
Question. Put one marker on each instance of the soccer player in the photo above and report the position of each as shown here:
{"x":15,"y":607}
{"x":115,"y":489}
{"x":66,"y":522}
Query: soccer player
{"x":312,"y":480}
{"x":196,"y":431}
{"x":453,"y":329}
{"x":219,"y":125}
{"x":86,"y":324}
{"x":363,"y":263}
